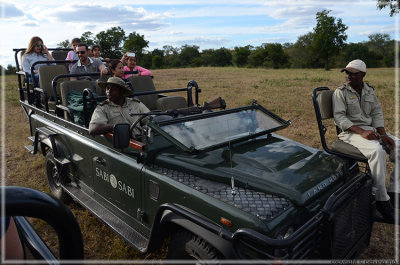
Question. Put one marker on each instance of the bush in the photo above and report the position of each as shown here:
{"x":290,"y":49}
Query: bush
{"x":157,"y":62}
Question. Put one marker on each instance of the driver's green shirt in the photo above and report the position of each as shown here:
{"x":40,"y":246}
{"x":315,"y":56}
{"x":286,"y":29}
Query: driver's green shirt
{"x":108,"y":112}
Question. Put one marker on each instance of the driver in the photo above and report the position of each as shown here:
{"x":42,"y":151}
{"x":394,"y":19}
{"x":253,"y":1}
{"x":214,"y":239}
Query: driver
{"x":116,"y":108}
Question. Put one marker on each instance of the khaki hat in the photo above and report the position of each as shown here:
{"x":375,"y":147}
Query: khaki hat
{"x":355,"y":66}
{"x":118,"y":82}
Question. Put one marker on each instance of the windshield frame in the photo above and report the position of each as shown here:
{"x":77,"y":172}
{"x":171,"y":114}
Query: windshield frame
{"x":157,"y":127}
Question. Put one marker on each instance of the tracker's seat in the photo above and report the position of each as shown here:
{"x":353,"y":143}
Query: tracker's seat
{"x":322,"y":99}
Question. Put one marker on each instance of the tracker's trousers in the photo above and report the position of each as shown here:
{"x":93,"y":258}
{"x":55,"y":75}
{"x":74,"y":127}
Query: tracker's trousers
{"x":376,"y":156}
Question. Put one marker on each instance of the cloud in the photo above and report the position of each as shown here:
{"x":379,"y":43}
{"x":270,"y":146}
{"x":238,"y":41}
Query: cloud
{"x":96,"y":16}
{"x":11,"y":11}
{"x":293,"y":11}
{"x":202,"y":42}
{"x":30,"y":24}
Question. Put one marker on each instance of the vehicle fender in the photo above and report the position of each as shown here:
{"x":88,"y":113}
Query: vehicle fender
{"x":57,"y":145}
{"x":45,"y":143}
{"x":224,"y":246}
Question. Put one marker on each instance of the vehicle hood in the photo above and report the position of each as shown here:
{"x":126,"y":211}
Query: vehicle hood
{"x":274,"y":165}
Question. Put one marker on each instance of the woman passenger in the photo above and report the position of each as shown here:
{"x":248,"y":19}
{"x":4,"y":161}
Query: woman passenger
{"x":36,"y":51}
{"x":117,"y":70}
{"x":130,"y":62}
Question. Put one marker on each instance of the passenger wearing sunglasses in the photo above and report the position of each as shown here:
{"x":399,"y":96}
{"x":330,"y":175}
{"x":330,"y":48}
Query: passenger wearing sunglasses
{"x":86,"y":64}
{"x":36,"y":51}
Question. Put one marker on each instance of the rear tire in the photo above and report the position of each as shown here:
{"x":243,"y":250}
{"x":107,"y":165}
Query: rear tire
{"x":54,"y":178}
{"x":187,"y":246}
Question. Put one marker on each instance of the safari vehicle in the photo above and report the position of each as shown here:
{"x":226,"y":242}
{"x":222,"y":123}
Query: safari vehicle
{"x":220,"y":183}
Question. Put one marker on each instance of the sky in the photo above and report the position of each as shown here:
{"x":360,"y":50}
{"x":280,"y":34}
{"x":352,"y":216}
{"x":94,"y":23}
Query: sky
{"x":209,"y":24}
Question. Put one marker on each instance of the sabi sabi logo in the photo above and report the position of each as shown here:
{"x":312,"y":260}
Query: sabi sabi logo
{"x":115,"y":183}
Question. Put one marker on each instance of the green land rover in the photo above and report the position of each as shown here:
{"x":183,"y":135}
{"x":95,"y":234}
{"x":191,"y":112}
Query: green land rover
{"x":221,"y":184}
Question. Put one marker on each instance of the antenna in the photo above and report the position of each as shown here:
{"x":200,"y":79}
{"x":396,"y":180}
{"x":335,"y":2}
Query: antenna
{"x":233,"y":191}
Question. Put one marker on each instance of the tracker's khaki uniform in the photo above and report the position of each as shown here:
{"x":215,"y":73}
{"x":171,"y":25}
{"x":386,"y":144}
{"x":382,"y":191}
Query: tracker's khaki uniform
{"x":108,"y":112}
{"x":349,"y":108}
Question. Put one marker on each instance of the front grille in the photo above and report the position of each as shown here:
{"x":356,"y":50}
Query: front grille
{"x":352,"y":222}
{"x":341,"y":231}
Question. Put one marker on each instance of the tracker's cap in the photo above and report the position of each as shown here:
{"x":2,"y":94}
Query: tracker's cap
{"x":355,"y":66}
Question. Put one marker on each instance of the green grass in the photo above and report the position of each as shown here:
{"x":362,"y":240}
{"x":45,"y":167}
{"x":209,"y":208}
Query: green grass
{"x":287,"y":92}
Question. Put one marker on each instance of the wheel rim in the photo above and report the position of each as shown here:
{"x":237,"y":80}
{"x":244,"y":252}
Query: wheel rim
{"x":55,"y":177}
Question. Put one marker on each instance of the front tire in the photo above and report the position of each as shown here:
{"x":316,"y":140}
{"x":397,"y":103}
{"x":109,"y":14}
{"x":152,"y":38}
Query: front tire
{"x":54,"y":178}
{"x":187,"y":246}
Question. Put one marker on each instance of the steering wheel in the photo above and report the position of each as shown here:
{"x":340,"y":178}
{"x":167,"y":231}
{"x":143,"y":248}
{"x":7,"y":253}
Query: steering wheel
{"x":20,"y":201}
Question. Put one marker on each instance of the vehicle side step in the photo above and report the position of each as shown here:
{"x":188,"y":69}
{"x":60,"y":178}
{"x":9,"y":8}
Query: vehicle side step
{"x":29,"y":148}
{"x":125,"y":231}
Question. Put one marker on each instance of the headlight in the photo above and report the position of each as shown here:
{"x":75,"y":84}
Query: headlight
{"x":285,"y":233}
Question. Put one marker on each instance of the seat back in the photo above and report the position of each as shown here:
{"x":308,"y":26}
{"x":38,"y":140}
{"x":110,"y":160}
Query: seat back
{"x":144,"y":84}
{"x":46,"y":76}
{"x":66,"y":87}
{"x":322,"y":99}
{"x":59,"y":55}
{"x":169,"y":103}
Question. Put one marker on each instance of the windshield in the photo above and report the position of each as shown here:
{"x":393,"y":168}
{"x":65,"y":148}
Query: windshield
{"x":202,"y":133}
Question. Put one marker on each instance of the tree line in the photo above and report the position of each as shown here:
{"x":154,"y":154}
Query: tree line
{"x":324,"y":47}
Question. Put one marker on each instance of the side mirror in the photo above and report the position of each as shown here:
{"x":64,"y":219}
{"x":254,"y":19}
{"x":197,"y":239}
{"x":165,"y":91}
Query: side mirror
{"x":121,"y":135}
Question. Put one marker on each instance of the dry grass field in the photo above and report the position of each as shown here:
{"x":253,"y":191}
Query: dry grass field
{"x":285,"y":92}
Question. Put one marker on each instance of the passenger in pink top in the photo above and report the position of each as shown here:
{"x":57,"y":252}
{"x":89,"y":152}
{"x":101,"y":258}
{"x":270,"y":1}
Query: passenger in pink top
{"x":130,"y":62}
{"x":72,"y":56}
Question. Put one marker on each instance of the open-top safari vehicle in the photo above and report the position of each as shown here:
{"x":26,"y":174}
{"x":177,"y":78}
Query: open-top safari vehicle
{"x":219,"y":182}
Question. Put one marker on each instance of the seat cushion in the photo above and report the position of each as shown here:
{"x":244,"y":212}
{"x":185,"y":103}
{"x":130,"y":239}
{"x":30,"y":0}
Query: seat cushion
{"x":343,"y":147}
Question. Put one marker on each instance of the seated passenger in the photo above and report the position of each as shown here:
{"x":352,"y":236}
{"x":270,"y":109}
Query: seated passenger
{"x":72,"y":56}
{"x":35,"y":52}
{"x":117,"y":70}
{"x":116,"y":108}
{"x":130,"y":62}
{"x":96,"y":51}
{"x":87,"y":64}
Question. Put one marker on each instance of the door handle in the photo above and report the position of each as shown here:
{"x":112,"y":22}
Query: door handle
{"x":100,"y":161}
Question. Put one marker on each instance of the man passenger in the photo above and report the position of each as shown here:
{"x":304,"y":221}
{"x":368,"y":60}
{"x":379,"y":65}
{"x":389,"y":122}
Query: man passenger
{"x":86,"y":64}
